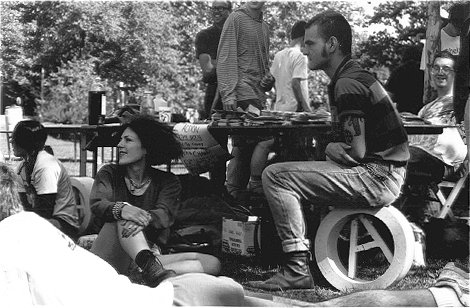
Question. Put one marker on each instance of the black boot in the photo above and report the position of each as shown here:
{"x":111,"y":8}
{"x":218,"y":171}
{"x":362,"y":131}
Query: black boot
{"x":295,"y":274}
{"x":153,"y":272}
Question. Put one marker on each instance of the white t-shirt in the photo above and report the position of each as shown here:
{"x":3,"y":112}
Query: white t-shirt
{"x":50,"y":177}
{"x":39,"y":265}
{"x":289,"y":63}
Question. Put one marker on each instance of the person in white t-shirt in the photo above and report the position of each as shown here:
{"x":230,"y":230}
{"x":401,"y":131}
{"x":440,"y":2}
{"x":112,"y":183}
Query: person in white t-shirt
{"x":45,"y":186}
{"x":290,"y":71}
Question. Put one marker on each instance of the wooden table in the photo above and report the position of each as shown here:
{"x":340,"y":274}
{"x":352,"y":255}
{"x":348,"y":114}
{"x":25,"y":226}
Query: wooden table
{"x":94,"y":136}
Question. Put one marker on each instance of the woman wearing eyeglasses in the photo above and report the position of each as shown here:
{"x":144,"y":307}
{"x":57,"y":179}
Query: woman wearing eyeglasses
{"x":139,"y":204}
{"x":45,"y":187}
{"x":439,"y":156}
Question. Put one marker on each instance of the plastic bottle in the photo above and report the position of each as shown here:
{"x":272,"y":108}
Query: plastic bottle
{"x":96,"y":103}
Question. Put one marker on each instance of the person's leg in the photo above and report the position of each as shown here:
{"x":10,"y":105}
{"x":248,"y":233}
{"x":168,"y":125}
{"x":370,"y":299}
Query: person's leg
{"x":118,"y":251}
{"x":191,"y":262}
{"x":217,"y":173}
{"x":259,"y":160}
{"x":206,"y":290}
{"x":322,"y":183}
{"x":382,"y":298}
{"x":238,"y":170}
{"x":107,"y":247}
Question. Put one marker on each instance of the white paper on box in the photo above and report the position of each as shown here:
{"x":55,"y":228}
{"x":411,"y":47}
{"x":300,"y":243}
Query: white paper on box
{"x":238,"y":237}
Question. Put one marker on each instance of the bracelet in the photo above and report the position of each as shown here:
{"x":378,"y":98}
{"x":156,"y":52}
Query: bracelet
{"x":117,"y":210}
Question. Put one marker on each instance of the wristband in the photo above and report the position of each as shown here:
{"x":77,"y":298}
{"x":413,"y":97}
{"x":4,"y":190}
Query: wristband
{"x":117,"y":210}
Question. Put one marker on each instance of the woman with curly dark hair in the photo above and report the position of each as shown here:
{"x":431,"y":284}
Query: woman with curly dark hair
{"x":44,"y":183}
{"x":139,"y":203}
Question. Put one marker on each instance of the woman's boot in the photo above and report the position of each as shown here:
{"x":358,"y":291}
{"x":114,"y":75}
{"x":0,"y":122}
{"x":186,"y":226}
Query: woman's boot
{"x":295,"y":274}
{"x":153,"y":272}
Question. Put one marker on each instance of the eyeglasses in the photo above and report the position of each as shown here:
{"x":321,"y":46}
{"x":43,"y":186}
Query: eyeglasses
{"x":219,"y":9}
{"x":445,"y":70}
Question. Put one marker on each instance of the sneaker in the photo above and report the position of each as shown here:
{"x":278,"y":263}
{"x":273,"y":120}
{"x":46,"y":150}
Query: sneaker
{"x":153,"y":273}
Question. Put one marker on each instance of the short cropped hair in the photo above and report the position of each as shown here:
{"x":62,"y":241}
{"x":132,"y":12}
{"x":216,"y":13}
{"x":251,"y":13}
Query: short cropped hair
{"x":298,"y":29}
{"x":446,"y":55}
{"x":156,"y":137}
{"x":331,"y":23}
{"x":10,"y":202}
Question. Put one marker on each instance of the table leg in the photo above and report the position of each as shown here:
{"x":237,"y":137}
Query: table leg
{"x":83,"y":154}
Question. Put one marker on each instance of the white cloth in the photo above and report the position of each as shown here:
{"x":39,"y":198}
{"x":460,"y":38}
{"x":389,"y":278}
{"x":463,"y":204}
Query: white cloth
{"x":39,"y":265}
{"x":450,"y":43}
{"x":449,"y":146}
{"x":50,"y":177}
{"x":289,"y":63}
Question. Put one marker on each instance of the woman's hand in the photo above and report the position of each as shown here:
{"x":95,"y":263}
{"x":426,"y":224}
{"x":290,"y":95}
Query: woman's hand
{"x":130,"y":228}
{"x":337,"y":152}
{"x":136,"y":215}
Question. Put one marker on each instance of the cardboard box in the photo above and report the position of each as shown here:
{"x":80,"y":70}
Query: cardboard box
{"x":238,"y":237}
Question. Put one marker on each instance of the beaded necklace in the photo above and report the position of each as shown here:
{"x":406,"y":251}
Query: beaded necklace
{"x":134,"y":186}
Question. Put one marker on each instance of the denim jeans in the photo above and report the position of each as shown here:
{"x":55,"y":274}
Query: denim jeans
{"x":239,"y":167}
{"x":324,"y":183}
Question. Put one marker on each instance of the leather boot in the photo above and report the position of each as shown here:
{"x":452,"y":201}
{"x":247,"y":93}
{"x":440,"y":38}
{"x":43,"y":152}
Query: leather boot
{"x":153,"y":272}
{"x":295,"y":274}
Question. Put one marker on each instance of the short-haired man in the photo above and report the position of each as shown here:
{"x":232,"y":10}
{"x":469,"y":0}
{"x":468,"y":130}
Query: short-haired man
{"x":290,"y":71}
{"x":366,"y":162}
{"x":242,"y":62}
{"x":207,"y":42}
{"x":438,"y":156}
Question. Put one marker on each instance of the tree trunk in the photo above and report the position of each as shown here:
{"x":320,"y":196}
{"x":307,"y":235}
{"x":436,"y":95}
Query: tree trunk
{"x":433,"y":36}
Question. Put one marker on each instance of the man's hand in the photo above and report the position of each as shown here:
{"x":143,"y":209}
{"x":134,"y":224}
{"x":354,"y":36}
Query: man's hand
{"x":337,"y":152}
{"x":230,"y":105}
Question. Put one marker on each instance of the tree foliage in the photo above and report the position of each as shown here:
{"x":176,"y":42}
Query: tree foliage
{"x":52,"y":50}
{"x":407,"y":19}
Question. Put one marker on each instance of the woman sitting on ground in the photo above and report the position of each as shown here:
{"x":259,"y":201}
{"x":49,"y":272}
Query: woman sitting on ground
{"x":139,"y":203}
{"x":45,"y":187}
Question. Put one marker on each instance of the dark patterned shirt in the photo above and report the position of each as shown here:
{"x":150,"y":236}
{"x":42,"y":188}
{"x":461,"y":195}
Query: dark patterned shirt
{"x":355,"y":91}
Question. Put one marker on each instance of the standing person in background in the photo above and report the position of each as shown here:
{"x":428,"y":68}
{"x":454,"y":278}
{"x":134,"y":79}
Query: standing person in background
{"x":45,"y":187}
{"x":290,"y":72}
{"x":242,"y":62}
{"x":450,"y":33}
{"x":366,"y":161}
{"x":406,"y":83}
{"x":207,"y":42}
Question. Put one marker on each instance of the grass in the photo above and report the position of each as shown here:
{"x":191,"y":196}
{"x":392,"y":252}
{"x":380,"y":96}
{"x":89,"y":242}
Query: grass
{"x":244,"y":269}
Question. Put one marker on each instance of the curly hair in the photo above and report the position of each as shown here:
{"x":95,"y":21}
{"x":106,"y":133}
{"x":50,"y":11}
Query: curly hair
{"x":156,"y":137}
{"x":10,"y":202}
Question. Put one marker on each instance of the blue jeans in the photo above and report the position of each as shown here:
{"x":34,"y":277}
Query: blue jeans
{"x":324,"y":183}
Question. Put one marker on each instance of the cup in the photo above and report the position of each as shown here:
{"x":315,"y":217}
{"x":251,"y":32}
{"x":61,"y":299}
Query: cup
{"x":164,"y":114}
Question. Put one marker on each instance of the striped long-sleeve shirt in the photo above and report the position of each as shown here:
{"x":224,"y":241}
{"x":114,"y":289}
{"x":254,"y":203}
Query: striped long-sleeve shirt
{"x":242,"y":58}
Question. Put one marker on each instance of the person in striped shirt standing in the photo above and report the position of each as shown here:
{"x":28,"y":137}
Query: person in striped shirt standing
{"x":242,"y":62}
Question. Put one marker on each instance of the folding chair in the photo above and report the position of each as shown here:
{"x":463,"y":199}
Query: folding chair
{"x":456,"y":189}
